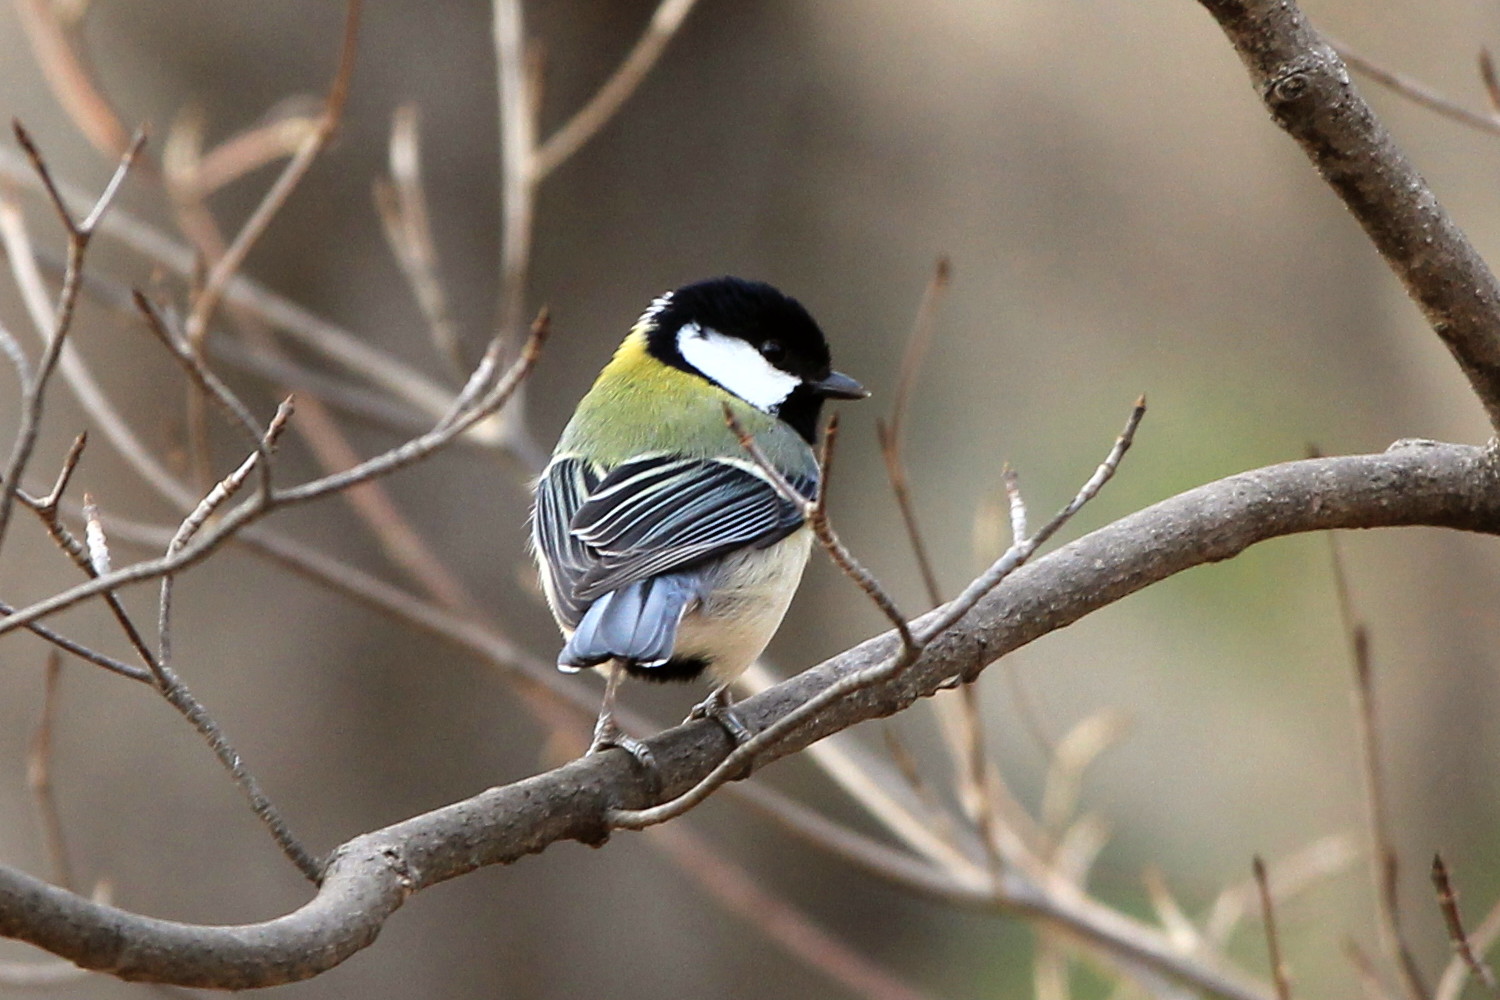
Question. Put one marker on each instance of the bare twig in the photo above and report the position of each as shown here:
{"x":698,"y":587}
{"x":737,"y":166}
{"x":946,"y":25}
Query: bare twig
{"x":207,"y":301}
{"x":815,"y":514}
{"x":1074,"y":753}
{"x":1169,"y":913}
{"x":65,"y":472}
{"x":83,"y":652}
{"x":517,"y":182}
{"x":193,"y":174}
{"x":71,"y":78}
{"x":1490,"y":79}
{"x":93,"y":559}
{"x":239,"y":517}
{"x":589,"y":119}
{"x":1022,"y":550}
{"x":1448,"y":902}
{"x":351,"y":353}
{"x":1273,"y":940}
{"x":61,"y":318}
{"x":1454,"y":976}
{"x":1307,"y":89}
{"x":402,"y":204}
{"x":1417,"y":92}
{"x":913,"y":641}
{"x":215,"y":499}
{"x":96,"y":544}
{"x":39,"y":777}
{"x":16,"y":355}
{"x":934,"y":812}
{"x":1297,"y":872}
{"x":889,"y":431}
{"x":1383,"y":859}
{"x":212,"y":388}
{"x":1015,"y":502}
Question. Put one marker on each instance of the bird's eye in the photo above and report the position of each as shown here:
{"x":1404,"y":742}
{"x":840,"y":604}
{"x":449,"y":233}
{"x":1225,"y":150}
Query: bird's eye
{"x":772,"y":351}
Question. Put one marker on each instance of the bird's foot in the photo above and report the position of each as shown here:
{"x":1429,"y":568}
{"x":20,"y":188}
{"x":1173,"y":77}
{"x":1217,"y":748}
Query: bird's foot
{"x":717,"y":706}
{"x":608,"y":734}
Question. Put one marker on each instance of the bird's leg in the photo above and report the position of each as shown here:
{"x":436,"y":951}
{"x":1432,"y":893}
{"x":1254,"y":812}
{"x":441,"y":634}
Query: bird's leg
{"x":719,"y":707}
{"x":607,"y":732}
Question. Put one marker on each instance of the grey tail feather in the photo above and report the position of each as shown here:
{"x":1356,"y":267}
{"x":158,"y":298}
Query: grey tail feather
{"x":637,"y":623}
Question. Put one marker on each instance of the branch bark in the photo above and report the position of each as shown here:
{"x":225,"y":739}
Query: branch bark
{"x":368,"y":878}
{"x":1307,"y":89}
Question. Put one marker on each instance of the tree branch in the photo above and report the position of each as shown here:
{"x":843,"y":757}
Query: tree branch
{"x":1308,"y":91}
{"x":371,"y":876}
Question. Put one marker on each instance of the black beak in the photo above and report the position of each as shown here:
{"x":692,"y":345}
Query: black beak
{"x":837,"y":385}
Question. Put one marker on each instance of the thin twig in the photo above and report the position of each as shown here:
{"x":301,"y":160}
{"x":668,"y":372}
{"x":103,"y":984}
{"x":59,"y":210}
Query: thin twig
{"x":1082,"y":745}
{"x":1417,"y":92}
{"x":978,"y":778}
{"x":61,"y":317}
{"x":27,"y":273}
{"x":1273,"y":940}
{"x":882,"y":671}
{"x":330,"y":447}
{"x":1015,"y":502}
{"x":419,"y":448}
{"x":39,"y":777}
{"x":936,"y":816}
{"x":207,"y":301}
{"x":71,"y":78}
{"x":1021,"y":551}
{"x":889,"y":432}
{"x":1448,"y":902}
{"x":215,"y":499}
{"x":94,"y":561}
{"x":1383,"y":859}
{"x":596,"y":113}
{"x":83,"y":652}
{"x":65,"y":472}
{"x":193,"y":174}
{"x":517,"y":181}
{"x":1489,"y":78}
{"x":211,"y":386}
{"x":16,"y":355}
{"x":402,"y":206}
{"x":815,"y":514}
{"x":240,"y":517}
{"x":1454,"y":976}
{"x":351,"y":353}
{"x":1297,"y":872}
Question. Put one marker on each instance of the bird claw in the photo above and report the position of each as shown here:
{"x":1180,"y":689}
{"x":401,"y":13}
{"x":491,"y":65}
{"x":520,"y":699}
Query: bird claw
{"x":718,"y":708}
{"x":608,"y":735}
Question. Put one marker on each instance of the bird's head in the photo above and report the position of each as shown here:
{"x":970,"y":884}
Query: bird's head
{"x":751,"y":341}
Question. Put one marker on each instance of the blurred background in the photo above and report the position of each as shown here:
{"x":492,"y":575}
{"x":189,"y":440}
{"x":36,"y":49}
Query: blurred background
{"x":1122,"y":217}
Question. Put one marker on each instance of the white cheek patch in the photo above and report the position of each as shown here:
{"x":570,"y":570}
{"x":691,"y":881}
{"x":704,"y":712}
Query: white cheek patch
{"x":735,"y":365}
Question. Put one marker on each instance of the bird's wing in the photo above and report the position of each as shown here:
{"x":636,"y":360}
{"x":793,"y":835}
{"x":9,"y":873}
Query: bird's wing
{"x":563,"y":488}
{"x":657,"y":514}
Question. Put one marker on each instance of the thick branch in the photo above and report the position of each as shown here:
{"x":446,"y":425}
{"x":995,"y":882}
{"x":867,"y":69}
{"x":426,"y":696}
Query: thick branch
{"x":1415,"y":484}
{"x":1307,"y":89}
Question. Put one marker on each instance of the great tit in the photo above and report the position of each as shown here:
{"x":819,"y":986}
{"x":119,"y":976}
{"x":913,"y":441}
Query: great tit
{"x":665,"y":550}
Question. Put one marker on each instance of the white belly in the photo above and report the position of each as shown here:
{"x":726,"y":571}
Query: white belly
{"x":735,"y":622}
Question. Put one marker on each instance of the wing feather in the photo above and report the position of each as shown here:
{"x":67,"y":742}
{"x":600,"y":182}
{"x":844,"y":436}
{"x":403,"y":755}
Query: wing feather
{"x":653,"y":515}
{"x":562,"y":489}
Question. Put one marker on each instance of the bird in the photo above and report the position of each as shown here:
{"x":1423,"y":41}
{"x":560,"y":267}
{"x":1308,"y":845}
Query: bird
{"x":665,"y":550}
